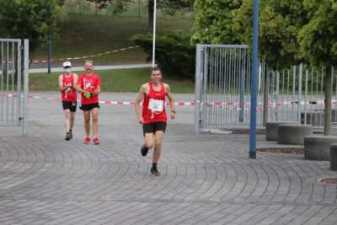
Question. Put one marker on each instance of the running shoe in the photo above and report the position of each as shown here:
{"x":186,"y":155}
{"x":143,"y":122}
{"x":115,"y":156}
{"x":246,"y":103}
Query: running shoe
{"x":68,"y":136}
{"x":155,"y":171}
{"x":95,"y":141}
{"x":86,"y":140}
{"x":144,"y":150}
{"x":71,"y":134}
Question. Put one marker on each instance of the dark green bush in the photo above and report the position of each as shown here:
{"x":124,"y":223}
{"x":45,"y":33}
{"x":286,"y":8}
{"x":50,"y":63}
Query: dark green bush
{"x":174,"y":53}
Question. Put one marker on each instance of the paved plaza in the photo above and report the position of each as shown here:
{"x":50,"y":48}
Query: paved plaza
{"x":205,"y":179}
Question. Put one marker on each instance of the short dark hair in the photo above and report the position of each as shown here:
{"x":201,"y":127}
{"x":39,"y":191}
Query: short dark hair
{"x":157,"y":68}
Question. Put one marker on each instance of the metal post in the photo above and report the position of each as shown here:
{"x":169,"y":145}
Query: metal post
{"x":154,"y":34}
{"x":299,"y":96}
{"x":242,"y":89}
{"x":198,"y":80}
{"x":26,"y":85}
{"x":252,"y":132}
{"x":49,"y":52}
{"x":265,"y":74}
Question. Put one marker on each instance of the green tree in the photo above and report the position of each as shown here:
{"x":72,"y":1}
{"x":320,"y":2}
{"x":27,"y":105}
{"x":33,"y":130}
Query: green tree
{"x":213,"y":21}
{"x":118,"y":5}
{"x":31,"y":19}
{"x":169,"y":6}
{"x":229,"y":21}
{"x":318,"y":42}
{"x":280,"y":22}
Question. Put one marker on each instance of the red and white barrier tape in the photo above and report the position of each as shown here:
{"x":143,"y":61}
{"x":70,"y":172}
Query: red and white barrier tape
{"x":218,"y":104}
{"x":86,"y":56}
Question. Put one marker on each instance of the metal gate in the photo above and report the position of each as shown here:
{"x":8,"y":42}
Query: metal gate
{"x":222,"y":87}
{"x":222,"y":91}
{"x":14,"y":66}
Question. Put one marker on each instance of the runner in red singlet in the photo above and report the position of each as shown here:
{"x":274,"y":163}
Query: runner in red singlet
{"x":67,"y":81}
{"x":89,"y":85}
{"x":153,"y":96}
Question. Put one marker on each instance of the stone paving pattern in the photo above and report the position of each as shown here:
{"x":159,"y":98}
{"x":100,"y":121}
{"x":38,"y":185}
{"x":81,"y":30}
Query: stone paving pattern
{"x":205,"y":180}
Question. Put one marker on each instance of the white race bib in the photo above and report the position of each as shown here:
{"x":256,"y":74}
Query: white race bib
{"x":156,"y":105}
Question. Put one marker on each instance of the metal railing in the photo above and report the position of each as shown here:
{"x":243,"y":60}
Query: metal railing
{"x":222,"y":91}
{"x":13,"y":82}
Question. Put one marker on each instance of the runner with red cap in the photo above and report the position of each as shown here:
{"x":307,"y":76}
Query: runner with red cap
{"x":67,"y":81}
{"x":153,"y":96}
{"x":89,"y":85}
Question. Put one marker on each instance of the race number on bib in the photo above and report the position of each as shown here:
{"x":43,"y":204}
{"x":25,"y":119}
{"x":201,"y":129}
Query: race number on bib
{"x":156,"y":105}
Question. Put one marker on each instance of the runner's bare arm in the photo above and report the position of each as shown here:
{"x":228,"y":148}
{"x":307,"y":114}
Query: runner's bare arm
{"x":139,"y":99}
{"x":171,"y":101}
{"x":61,"y":83}
{"x":78,"y":87}
{"x":97,"y":90}
{"x":75,"y":80}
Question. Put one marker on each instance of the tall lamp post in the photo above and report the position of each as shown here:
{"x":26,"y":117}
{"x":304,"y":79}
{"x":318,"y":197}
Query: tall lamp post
{"x":255,"y":70}
{"x":154,"y":34}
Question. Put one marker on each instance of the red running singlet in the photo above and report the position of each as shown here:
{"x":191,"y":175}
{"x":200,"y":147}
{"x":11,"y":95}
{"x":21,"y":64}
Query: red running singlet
{"x":154,"y":105}
{"x":89,"y":82}
{"x":69,"y":95}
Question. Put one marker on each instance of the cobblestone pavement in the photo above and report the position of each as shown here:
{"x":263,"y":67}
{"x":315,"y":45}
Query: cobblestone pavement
{"x":205,"y":180}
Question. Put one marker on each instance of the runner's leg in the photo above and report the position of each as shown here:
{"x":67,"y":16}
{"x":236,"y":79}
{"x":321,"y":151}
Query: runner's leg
{"x":67,"y":120}
{"x":95,"y":114}
{"x":158,"y":137}
{"x":86,"y":116}
{"x":72,"y":120}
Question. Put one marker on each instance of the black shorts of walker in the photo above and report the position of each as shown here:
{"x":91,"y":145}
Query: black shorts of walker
{"x":152,"y":128}
{"x":69,"y":105}
{"x":89,"y":107}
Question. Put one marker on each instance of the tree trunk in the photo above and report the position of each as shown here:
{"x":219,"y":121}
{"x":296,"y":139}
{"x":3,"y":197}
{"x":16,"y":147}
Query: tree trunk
{"x":327,"y":101}
{"x":150,"y":14}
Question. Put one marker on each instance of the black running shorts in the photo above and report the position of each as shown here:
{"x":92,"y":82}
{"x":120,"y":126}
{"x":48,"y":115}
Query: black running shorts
{"x":89,"y":107}
{"x":69,"y":105}
{"x":154,"y":127}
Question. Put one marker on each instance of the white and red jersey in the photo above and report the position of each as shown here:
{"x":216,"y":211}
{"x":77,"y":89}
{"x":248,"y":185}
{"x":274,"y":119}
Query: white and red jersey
{"x":89,"y":82}
{"x":70,"y":94}
{"x":154,"y":105}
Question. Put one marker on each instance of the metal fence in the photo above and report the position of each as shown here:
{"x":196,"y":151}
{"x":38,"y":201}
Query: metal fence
{"x":14,"y":61}
{"x":222,"y":91}
{"x":222,"y":86}
{"x":297,"y":94}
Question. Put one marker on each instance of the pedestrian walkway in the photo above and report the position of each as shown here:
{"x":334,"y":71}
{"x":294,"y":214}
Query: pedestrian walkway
{"x":205,"y":180}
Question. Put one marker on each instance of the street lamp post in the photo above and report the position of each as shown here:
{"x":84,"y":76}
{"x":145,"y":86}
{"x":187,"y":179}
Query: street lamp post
{"x":154,"y":34}
{"x":255,"y":70}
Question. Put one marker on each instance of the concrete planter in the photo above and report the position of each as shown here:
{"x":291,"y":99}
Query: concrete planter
{"x":293,"y":134}
{"x":272,"y":130}
{"x":318,"y":147}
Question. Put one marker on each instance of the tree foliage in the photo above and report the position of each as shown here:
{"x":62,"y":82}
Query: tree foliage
{"x":228,"y":21}
{"x":318,"y":42}
{"x":174,"y":53}
{"x":31,"y":19}
{"x":280,"y":22}
{"x":213,"y":21}
{"x":318,"y":39}
{"x":290,"y":32}
{"x":117,"y":5}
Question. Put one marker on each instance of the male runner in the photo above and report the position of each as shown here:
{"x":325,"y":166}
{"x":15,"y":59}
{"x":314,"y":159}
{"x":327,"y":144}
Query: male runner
{"x":89,"y":85}
{"x":67,"y":81}
{"x":153,"y":95}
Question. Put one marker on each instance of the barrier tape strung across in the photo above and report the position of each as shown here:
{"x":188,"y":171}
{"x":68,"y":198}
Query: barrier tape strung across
{"x":87,"y":56}
{"x":219,"y":104}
